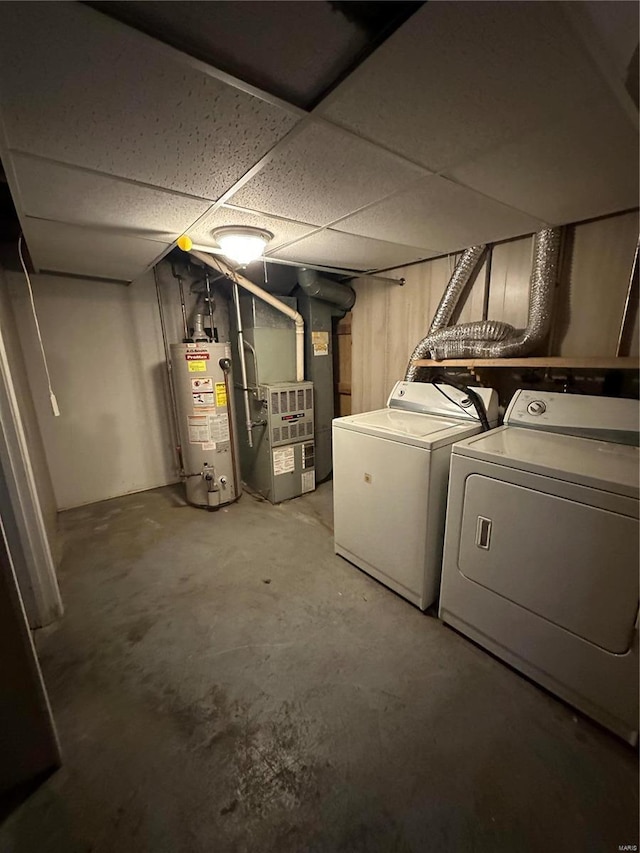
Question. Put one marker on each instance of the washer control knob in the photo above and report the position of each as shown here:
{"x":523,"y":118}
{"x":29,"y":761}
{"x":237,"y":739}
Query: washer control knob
{"x":536,"y":407}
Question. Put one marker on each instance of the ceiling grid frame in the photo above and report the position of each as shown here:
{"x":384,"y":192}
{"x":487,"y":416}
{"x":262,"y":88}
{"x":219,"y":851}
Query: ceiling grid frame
{"x":304,"y":119}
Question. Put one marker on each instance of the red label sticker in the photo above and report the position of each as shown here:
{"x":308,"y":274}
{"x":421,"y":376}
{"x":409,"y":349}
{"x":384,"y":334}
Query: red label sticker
{"x":197,"y":356}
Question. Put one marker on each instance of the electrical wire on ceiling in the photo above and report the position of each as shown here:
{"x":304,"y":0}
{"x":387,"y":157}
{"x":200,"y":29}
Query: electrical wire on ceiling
{"x":52,"y":396}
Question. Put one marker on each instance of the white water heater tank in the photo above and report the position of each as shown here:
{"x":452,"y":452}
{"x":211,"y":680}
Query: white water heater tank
{"x":203,"y":385}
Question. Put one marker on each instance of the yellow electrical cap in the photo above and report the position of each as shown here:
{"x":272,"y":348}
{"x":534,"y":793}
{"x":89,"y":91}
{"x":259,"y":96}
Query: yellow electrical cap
{"x":185,"y":243}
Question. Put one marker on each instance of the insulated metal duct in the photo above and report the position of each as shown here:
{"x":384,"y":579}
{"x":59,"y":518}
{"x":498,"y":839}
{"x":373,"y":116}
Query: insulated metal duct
{"x":459,"y":279}
{"x":490,"y":338}
{"x":334,"y":292}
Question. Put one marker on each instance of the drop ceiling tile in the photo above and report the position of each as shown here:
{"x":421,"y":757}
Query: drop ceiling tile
{"x":322,"y":174}
{"x":78,"y":88}
{"x":283,"y":230}
{"x":334,"y":249}
{"x":461,"y":77}
{"x":442,"y":215}
{"x":72,"y":249}
{"x":583,"y":166}
{"x":52,"y":191}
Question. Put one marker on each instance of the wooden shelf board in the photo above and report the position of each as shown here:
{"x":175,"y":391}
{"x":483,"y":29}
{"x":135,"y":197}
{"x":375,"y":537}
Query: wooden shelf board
{"x":606,"y":363}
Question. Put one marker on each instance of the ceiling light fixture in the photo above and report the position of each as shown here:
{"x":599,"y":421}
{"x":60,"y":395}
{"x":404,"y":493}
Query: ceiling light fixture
{"x":241,"y":243}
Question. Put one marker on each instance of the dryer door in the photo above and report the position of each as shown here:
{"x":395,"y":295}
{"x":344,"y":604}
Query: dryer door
{"x":573,"y":564}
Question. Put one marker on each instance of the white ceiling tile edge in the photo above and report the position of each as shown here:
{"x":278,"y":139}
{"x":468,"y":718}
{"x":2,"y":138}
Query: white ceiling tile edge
{"x":189,"y":61}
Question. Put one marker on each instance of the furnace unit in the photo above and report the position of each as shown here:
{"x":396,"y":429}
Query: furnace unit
{"x":281,"y":464}
{"x":278,"y":452}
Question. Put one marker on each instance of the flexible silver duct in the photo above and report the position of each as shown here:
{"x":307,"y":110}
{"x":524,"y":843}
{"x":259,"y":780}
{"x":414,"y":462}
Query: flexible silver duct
{"x":465,"y":268}
{"x":492,"y":339}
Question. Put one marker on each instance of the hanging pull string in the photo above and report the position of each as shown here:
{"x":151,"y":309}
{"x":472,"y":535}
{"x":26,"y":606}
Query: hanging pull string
{"x":52,"y":396}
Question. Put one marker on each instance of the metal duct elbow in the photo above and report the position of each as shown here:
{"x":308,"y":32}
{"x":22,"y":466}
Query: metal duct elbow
{"x":334,"y":292}
{"x":463,"y":271}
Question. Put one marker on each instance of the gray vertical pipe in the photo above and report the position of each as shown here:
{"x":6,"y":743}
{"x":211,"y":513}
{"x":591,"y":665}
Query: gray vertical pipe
{"x":208,"y":287}
{"x":169,"y":368}
{"x":243,"y":365}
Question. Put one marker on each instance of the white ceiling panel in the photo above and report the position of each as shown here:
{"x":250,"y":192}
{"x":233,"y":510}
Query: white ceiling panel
{"x":441,"y":215}
{"x":72,"y":249}
{"x":78,"y":88}
{"x":583,"y":166}
{"x":52,"y":191}
{"x":322,"y":174}
{"x":459,"y":78}
{"x":283,"y":230}
{"x":335,"y":249}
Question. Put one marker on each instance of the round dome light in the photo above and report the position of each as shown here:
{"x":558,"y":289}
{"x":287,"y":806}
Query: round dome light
{"x":242,"y":244}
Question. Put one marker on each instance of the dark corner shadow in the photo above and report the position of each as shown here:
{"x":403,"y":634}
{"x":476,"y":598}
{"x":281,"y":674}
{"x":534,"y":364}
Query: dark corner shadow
{"x":12,"y":799}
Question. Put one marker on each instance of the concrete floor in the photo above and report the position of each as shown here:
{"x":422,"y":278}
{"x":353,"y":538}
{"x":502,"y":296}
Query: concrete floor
{"x":222,"y":682}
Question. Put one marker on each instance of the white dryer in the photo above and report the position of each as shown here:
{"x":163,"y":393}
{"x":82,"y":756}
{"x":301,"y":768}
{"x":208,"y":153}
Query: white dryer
{"x":541,"y":548}
{"x":390,"y":472}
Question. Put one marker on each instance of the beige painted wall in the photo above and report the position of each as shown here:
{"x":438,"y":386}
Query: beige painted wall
{"x":106,"y":358}
{"x":388,"y":320}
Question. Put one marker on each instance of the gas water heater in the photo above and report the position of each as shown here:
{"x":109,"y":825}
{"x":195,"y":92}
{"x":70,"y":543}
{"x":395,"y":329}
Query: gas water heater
{"x":204,"y":397}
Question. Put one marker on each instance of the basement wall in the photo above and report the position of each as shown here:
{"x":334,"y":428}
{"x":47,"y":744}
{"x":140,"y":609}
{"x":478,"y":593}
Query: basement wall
{"x":388,"y":320}
{"x":106,"y":357}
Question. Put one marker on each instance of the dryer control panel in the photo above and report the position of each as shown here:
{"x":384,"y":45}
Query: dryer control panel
{"x":603,"y":418}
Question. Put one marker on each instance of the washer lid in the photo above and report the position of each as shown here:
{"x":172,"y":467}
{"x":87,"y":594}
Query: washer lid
{"x":586,"y":461}
{"x":420,"y":430}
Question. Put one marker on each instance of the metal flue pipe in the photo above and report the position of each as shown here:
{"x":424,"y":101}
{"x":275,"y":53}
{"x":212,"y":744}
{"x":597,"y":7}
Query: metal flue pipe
{"x":220,"y":265}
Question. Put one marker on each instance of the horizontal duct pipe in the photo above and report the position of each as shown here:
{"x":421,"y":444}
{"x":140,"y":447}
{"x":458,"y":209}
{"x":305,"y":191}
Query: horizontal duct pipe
{"x":333,"y":292}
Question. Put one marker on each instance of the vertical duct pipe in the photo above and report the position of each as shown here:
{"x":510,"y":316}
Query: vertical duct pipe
{"x":465,"y":268}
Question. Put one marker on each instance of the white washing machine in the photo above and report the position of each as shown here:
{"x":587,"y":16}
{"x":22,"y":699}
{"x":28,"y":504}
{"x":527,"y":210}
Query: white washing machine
{"x":541,"y":548}
{"x":390,"y":472}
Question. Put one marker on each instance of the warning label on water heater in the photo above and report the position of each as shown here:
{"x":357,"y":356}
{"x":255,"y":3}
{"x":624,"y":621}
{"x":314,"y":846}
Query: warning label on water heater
{"x":198,"y":426}
{"x":202,"y":400}
{"x":197,"y":361}
{"x":221,"y":395}
{"x":203,"y":385}
{"x":219,"y":428}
